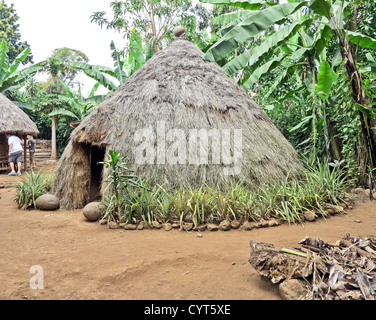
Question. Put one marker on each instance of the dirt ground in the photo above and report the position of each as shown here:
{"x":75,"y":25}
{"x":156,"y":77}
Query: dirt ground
{"x":82,"y":260}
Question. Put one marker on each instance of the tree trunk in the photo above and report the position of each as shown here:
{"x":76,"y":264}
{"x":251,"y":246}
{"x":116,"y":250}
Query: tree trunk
{"x":53,"y":142}
{"x":368,"y":141}
{"x":334,"y":142}
{"x":154,"y":29}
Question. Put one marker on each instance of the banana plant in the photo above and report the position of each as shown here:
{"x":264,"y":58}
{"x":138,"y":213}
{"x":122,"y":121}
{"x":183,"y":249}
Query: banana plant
{"x":302,"y":30}
{"x":10,"y":77}
{"x":124,"y":67}
{"x":76,"y":107}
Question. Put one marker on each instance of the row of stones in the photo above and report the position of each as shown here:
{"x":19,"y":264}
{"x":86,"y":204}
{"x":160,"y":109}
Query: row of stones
{"x":225,"y":225}
{"x":93,"y":211}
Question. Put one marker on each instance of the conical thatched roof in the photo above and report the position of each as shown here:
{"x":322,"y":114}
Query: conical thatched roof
{"x":13,"y":120}
{"x":176,"y":92}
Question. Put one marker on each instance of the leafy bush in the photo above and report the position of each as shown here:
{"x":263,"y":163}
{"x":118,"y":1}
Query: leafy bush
{"x":31,"y":187}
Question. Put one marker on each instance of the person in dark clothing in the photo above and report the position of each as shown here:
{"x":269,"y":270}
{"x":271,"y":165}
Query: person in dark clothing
{"x":31,"y":146}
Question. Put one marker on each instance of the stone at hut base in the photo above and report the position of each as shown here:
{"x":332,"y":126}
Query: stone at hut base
{"x":235,"y":224}
{"x":309,"y":216}
{"x":48,"y":202}
{"x":187,"y":226}
{"x":247,"y":226}
{"x":212,"y":227}
{"x":156,"y":225}
{"x":130,"y":226}
{"x":175,"y":225}
{"x":225,"y":225}
{"x":113,"y":225}
{"x":93,"y":211}
{"x":167,"y":226}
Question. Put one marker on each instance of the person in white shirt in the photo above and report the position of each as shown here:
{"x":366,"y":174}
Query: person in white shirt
{"x":15,"y":153}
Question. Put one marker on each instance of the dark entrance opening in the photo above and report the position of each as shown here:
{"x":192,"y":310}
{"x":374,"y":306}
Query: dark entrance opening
{"x":96,"y":155}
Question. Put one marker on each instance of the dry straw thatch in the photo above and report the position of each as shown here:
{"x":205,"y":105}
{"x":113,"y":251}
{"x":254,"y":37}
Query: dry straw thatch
{"x":13,"y":120}
{"x":176,"y":87}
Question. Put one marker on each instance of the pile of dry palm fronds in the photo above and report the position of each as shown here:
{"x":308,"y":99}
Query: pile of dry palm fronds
{"x":344,"y":271}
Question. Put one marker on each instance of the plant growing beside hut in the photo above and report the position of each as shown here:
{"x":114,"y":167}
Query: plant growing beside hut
{"x":321,"y":187}
{"x":31,"y":187}
{"x":118,"y":179}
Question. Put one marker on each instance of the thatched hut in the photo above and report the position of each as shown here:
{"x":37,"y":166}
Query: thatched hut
{"x":181,"y":121}
{"x":13,"y":121}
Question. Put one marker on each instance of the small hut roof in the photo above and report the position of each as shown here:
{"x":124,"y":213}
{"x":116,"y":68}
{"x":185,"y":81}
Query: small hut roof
{"x":13,"y":120}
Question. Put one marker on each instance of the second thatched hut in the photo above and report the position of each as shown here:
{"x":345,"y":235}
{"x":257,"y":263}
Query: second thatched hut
{"x":181,"y":121}
{"x":16,"y":122}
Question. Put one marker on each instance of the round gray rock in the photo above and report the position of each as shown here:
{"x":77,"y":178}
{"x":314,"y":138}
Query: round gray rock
{"x":48,"y":202}
{"x":93,"y":211}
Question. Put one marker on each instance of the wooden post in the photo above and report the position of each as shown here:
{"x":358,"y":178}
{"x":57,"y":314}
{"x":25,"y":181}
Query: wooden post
{"x":53,"y":142}
{"x":25,"y":152}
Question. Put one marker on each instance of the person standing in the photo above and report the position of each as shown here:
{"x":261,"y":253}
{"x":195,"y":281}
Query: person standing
{"x":15,"y":154}
{"x":31,"y":146}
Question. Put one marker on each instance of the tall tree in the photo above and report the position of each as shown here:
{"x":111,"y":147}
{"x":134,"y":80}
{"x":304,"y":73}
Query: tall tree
{"x":67,"y":55}
{"x":9,"y":30}
{"x":58,"y":69}
{"x":154,"y":20}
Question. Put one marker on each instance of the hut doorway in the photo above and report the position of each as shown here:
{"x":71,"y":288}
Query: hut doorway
{"x":96,"y":156}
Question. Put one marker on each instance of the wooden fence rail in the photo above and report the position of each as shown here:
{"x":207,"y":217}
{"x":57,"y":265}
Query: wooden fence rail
{"x":42,"y":153}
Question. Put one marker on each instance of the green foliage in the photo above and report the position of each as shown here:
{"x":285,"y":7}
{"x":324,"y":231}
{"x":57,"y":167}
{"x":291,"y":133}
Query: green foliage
{"x":11,"y":78}
{"x":295,"y":61}
{"x":31,"y":187}
{"x":154,"y":20}
{"x":65,"y":56}
{"x":249,"y":26}
{"x":9,"y":32}
{"x":119,"y":177}
{"x":76,"y":107}
{"x":326,"y":78}
{"x":131,"y":200}
{"x":124,"y":66}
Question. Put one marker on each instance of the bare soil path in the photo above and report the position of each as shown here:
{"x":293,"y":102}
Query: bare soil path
{"x":83,"y":260}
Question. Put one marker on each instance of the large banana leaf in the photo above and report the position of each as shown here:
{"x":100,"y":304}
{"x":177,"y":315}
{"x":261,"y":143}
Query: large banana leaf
{"x":234,"y":22}
{"x":21,"y":57}
{"x":136,"y":55}
{"x":267,"y":67}
{"x":96,"y":73}
{"x":62,"y":112}
{"x":250,"y":27}
{"x":118,"y":64}
{"x":252,"y":58}
{"x":372,"y":63}
{"x":17,"y":78}
{"x":322,"y":7}
{"x":362,"y":40}
{"x":230,"y":17}
{"x":326,"y":78}
{"x":4,"y":60}
{"x":245,"y":4}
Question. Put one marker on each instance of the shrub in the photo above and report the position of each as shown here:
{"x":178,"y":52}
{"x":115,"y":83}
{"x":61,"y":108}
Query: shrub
{"x":31,"y":187}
